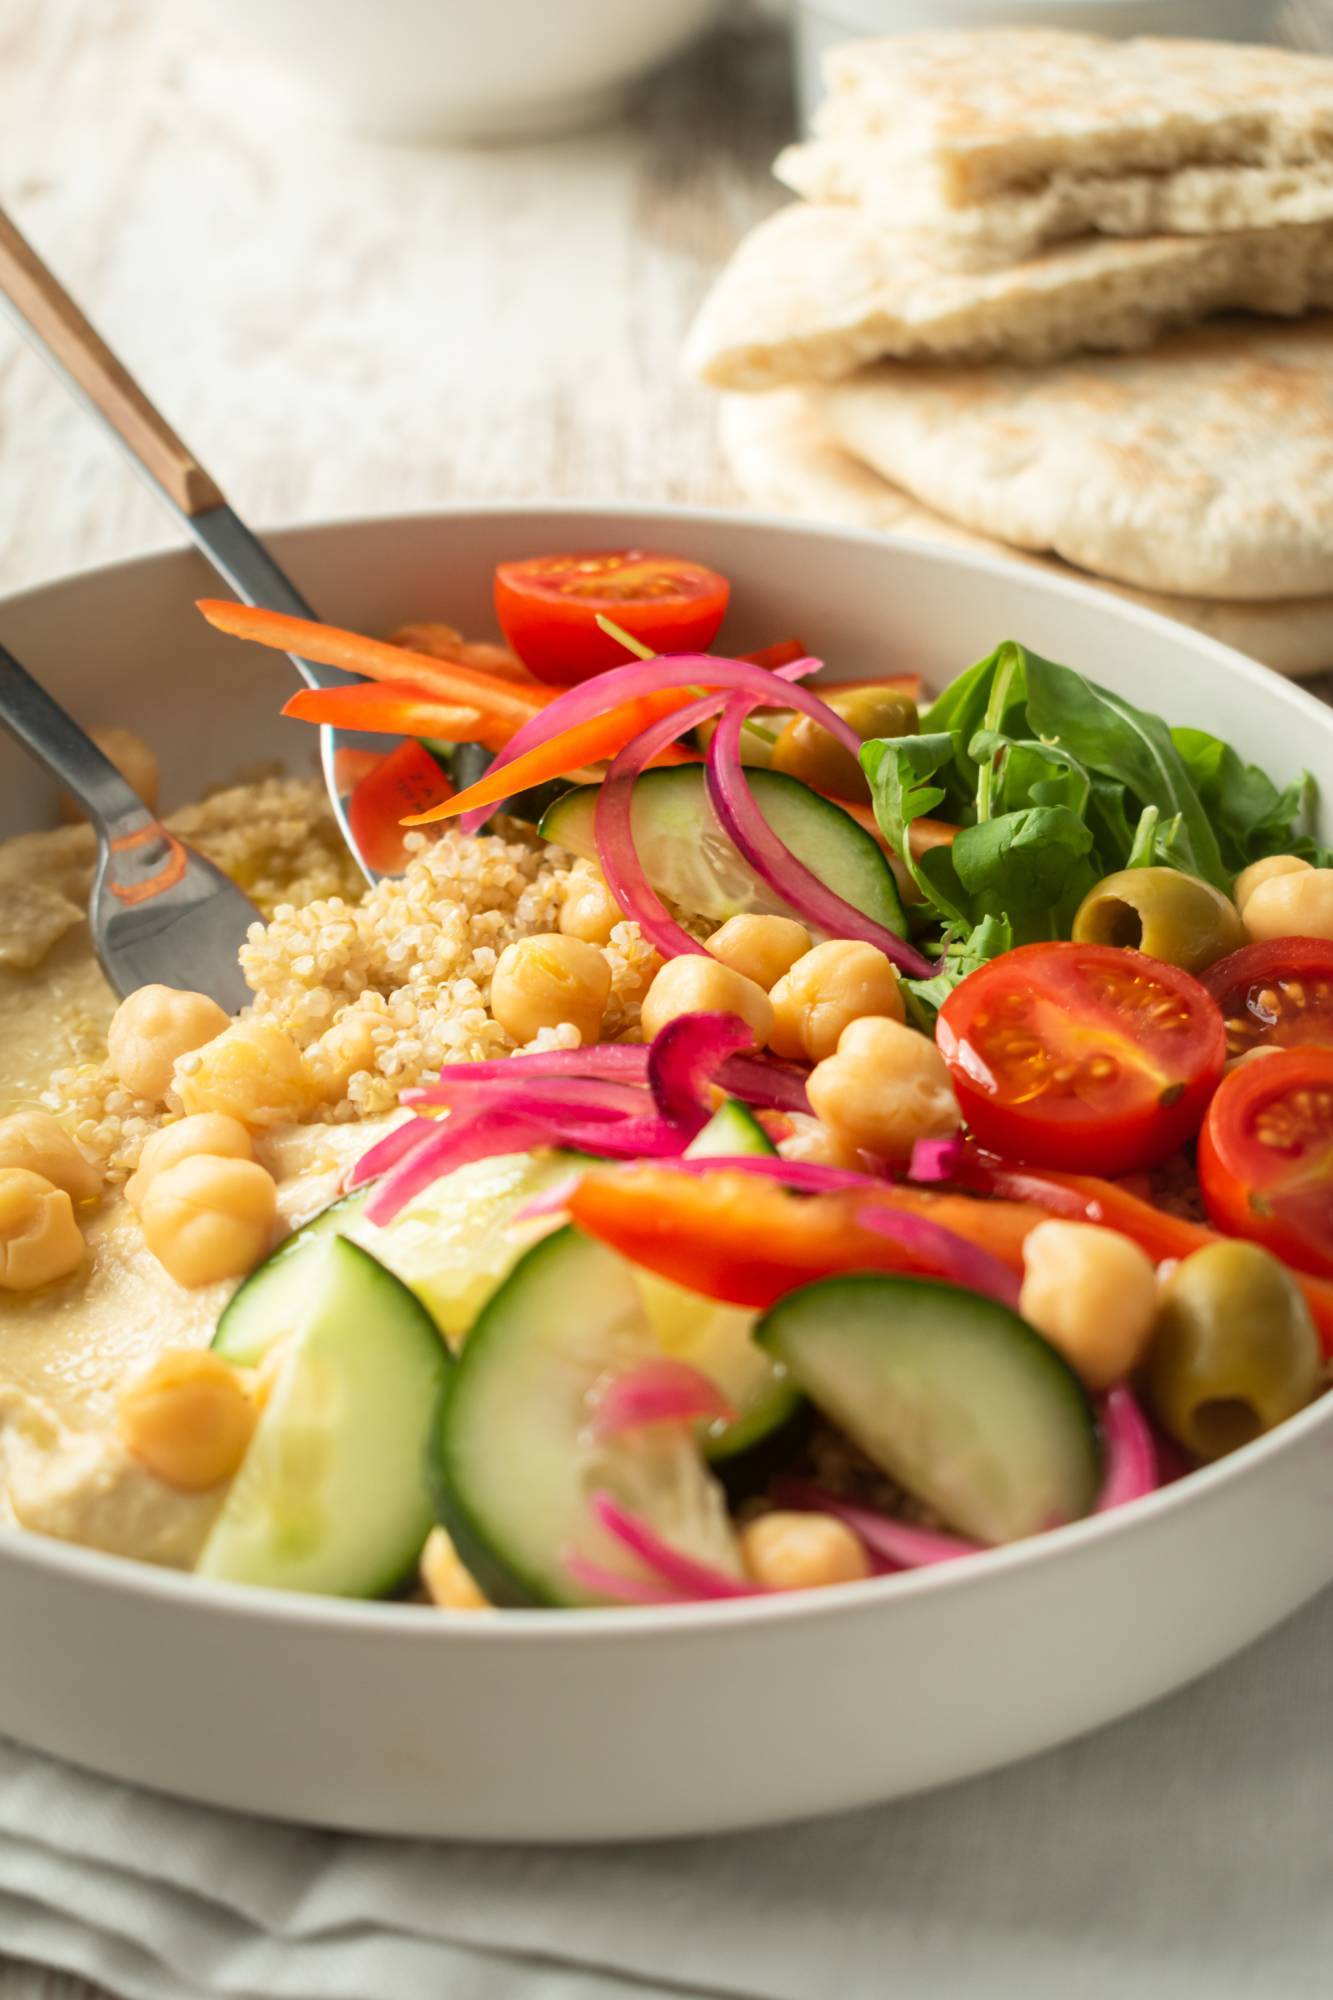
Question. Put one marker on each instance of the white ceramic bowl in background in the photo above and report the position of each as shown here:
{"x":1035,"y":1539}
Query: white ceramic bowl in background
{"x":822,"y":23}
{"x":574,"y":1726}
{"x":468,"y":69}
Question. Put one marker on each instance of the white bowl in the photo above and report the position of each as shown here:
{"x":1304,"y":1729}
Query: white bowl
{"x":469,"y":69}
{"x":576,"y":1726}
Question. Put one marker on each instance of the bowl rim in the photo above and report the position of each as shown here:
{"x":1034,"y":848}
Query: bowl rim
{"x":356,"y":1619}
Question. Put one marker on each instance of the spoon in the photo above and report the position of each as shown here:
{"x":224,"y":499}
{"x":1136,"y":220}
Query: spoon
{"x":160,"y":914}
{"x":49,"y":319}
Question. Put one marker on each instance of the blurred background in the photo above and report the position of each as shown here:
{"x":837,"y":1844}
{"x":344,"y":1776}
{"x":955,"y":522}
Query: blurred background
{"x":380,"y":257}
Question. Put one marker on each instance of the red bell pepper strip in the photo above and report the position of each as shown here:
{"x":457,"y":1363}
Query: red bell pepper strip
{"x":586,"y":743}
{"x":396,"y":708}
{"x":1085,"y":1198}
{"x":331,"y":646}
{"x":779,"y":655}
{"x":750,"y":1242}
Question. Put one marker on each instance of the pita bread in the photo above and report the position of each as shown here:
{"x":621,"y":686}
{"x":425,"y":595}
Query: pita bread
{"x":1206,"y":466}
{"x":1192,"y":201}
{"x":985,"y":111}
{"x":815,"y":292}
{"x":784,"y":458}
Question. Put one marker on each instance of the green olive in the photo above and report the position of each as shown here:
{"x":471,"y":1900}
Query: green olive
{"x":1234,"y":1350}
{"x":876,"y":710}
{"x":805,"y":749}
{"x":757,"y":739}
{"x":1171,"y":916}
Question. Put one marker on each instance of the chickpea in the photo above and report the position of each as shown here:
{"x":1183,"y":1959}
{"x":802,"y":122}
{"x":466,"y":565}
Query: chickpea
{"x":1093,"y":1294}
{"x":152,"y":1029}
{"x":1259,"y":872}
{"x":696,"y":984}
{"x":343,"y":1050}
{"x":836,"y":983}
{"x":209,"y":1132}
{"x":542,"y":982}
{"x":137,"y":765}
{"x":886,"y":1087}
{"x":205,"y":1219}
{"x":34,"y":1140}
{"x":1297,"y":904}
{"x":447,"y":1582}
{"x":588,"y":910}
{"x":801,"y":1552}
{"x":818,"y":1144}
{"x":39,"y":1238}
{"x":187,"y":1419}
{"x":254,"y":1072}
{"x":760,"y":948}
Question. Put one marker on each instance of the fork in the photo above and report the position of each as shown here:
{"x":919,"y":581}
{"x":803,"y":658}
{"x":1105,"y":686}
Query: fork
{"x":49,"y":319}
{"x":160,"y":914}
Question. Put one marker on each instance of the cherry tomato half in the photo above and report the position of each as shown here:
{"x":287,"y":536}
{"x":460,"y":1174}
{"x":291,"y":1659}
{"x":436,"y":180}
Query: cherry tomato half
{"x":1275,"y":995}
{"x":1082,"y":1056}
{"x":407,"y":780}
{"x":1266,"y":1156}
{"x":548,"y":608}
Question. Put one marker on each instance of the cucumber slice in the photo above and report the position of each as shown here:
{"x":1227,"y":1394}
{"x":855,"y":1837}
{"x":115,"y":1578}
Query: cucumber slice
{"x":716,"y":1338}
{"x":718,"y":1341}
{"x":687,"y":857}
{"x":273,"y":1300}
{"x":951,"y":1394}
{"x":452,"y":1245}
{"x":513,"y":1458}
{"x":733,"y":1132}
{"x":331,"y":1496}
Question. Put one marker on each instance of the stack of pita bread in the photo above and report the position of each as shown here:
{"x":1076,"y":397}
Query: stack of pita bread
{"x":1058,"y":296}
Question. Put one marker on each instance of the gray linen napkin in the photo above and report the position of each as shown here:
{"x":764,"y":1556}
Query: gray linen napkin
{"x":1183,"y":1851}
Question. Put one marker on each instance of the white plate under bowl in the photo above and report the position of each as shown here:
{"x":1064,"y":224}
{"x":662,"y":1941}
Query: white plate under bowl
{"x":577,"y":1726}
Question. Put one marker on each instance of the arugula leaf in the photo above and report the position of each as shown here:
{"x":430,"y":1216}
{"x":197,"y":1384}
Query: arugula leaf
{"x":925,"y":997}
{"x":1031,"y":867}
{"x":1055,"y":782}
{"x":1108,"y":816}
{"x":1028,"y":773}
{"x":965,"y":708}
{"x":1143,"y":852}
{"x":900,"y":770}
{"x":1110,"y":735}
{"x":1250,"y":816}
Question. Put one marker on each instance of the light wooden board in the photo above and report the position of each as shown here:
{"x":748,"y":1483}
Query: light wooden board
{"x":336,"y":327}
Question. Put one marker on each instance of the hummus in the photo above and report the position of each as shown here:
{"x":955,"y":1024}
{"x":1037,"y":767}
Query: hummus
{"x":403,"y":971}
{"x":66,"y":1350}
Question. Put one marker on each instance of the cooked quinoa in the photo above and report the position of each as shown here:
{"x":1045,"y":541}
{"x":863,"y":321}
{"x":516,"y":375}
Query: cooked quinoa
{"x":419,"y":951}
{"x":409,"y":963}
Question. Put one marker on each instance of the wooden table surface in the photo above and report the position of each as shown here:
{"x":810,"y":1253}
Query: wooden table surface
{"x":338,"y":327}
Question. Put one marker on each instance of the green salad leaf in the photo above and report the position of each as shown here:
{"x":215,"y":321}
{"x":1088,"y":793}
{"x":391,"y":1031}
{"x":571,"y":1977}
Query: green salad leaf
{"x":925,"y":997}
{"x":1250,"y":816}
{"x":1110,"y":735}
{"x":904,"y":774}
{"x":1054,"y":783}
{"x":1025,"y":866}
